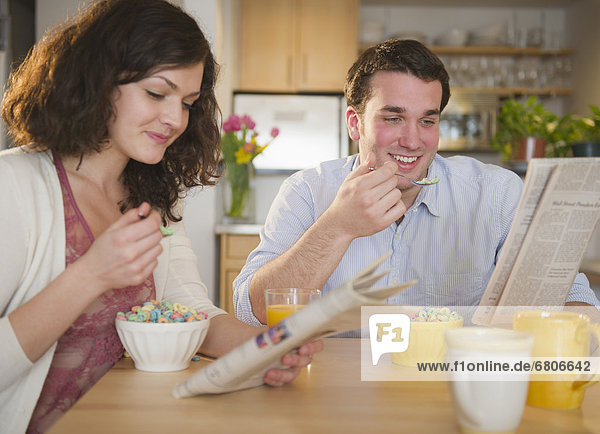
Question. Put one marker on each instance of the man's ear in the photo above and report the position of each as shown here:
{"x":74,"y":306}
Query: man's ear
{"x":353,"y":123}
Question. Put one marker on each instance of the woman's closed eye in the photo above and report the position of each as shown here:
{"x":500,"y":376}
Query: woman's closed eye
{"x":154,"y":95}
{"x":189,"y":105}
{"x":157,"y":96}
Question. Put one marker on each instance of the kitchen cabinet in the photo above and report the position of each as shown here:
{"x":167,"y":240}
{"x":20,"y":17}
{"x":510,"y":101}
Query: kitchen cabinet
{"x":234,"y":249}
{"x":296,"y":45}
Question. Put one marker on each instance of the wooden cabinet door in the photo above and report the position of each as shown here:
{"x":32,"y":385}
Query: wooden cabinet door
{"x":327,"y":43}
{"x":266,"y":45}
{"x":296,"y":45}
{"x":229,"y":276}
{"x":235,"y":248}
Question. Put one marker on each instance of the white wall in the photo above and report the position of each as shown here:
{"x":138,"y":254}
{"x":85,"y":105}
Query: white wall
{"x":51,"y":12}
{"x":199,"y":213}
{"x":200,"y":206}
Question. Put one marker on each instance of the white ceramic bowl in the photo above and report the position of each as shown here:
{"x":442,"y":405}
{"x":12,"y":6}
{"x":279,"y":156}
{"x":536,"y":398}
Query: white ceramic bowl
{"x":161,"y":347}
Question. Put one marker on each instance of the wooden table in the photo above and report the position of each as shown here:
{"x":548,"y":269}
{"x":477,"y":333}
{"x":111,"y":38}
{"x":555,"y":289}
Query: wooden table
{"x":329,"y":397}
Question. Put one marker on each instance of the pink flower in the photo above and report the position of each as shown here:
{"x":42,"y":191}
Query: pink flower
{"x":274,"y":132}
{"x":233,"y":123}
{"x":249,"y":147}
{"x":236,"y":124}
{"x":233,"y":117}
{"x":248,"y":121}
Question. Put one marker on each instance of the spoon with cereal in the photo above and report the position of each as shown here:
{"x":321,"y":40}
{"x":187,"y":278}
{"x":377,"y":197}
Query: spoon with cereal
{"x":425,"y":182}
{"x":421,"y":183}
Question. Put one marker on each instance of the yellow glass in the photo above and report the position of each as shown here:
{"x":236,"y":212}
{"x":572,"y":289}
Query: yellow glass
{"x":558,"y":334}
{"x":281,"y":303}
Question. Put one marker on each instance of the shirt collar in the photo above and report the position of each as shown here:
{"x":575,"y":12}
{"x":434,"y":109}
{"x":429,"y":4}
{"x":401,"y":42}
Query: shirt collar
{"x":431,"y":196}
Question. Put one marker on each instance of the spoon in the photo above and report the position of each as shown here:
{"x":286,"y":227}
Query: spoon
{"x":425,"y":182}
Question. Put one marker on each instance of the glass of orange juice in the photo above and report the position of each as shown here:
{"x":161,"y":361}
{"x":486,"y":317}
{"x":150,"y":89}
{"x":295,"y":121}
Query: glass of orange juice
{"x":281,"y":303}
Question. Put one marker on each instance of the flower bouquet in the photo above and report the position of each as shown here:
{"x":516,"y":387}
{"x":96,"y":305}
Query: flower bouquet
{"x":240,"y":146}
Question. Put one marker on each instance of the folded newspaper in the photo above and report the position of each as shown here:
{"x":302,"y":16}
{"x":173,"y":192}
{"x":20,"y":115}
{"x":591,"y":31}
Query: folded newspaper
{"x":335,"y":312}
{"x":549,"y":235}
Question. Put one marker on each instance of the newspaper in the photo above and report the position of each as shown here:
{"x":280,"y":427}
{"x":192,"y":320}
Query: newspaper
{"x":334,"y":312}
{"x":556,"y":216}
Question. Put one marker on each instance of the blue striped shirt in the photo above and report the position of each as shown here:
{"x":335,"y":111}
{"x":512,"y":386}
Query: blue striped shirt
{"x":449,"y":239}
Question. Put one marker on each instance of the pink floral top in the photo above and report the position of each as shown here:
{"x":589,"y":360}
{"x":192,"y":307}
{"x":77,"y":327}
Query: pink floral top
{"x":91,"y":346}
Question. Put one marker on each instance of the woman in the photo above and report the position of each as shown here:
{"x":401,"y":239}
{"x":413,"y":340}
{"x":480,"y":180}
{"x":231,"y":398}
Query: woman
{"x":114,"y":116}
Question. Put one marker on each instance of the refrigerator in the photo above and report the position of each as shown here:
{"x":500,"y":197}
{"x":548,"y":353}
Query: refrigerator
{"x":312,"y":128}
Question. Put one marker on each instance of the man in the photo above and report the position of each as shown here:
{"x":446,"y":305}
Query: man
{"x":328,"y":223}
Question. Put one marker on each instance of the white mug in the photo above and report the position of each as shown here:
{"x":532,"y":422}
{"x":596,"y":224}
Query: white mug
{"x":487,"y":401}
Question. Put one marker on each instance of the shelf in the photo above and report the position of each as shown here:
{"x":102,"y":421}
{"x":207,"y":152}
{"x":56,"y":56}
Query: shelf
{"x":510,"y":91}
{"x":499,"y":51}
{"x":238,"y":229}
{"x":472,"y":50}
{"x":473,"y":3}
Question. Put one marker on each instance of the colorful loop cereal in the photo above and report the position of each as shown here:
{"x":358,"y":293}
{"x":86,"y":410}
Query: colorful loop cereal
{"x":163,"y":312}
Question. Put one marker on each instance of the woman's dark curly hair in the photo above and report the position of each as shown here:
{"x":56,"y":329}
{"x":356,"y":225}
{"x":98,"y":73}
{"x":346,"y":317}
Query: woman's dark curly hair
{"x":60,"y":98}
{"x":401,"y":55}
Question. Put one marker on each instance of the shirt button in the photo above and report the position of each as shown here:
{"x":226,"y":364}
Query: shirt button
{"x":395,"y":282}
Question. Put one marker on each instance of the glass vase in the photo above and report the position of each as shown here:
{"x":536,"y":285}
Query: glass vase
{"x":238,"y":193}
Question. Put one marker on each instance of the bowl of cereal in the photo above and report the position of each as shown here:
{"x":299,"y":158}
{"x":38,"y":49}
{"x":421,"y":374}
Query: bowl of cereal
{"x":161,"y":337}
{"x":426,"y":341}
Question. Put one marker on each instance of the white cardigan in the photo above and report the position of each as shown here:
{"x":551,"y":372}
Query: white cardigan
{"x":32,"y":254}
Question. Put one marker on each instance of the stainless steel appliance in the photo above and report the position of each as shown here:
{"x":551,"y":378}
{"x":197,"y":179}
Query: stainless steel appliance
{"x":312,"y":128}
{"x":468,"y":122}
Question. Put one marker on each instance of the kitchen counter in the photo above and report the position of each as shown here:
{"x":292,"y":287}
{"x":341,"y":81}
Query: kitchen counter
{"x":238,"y":229}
